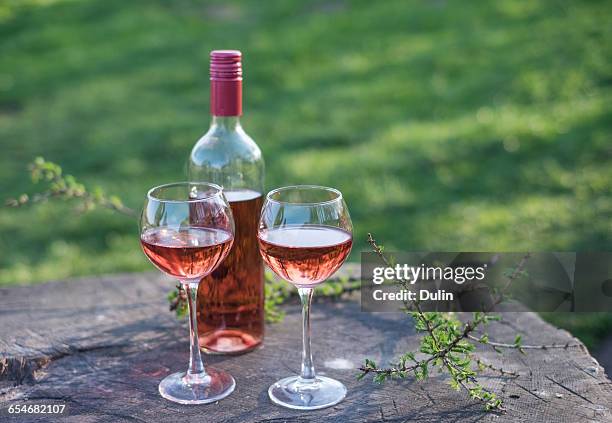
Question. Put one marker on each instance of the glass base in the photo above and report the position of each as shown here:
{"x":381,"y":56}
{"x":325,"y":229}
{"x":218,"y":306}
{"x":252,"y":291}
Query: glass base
{"x":214,"y":386}
{"x":301,"y":394}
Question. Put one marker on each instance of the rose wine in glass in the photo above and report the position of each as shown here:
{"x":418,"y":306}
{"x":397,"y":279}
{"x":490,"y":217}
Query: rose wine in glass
{"x":305,"y":255}
{"x":231,"y":298}
{"x":305,"y":234}
{"x":186,"y":253}
{"x":186,"y":231}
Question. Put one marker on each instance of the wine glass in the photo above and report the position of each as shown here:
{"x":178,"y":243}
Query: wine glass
{"x":186,"y":230}
{"x":305,"y":234}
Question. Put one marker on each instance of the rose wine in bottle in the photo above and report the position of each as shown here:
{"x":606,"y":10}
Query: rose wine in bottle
{"x":231,"y":299}
{"x":305,"y":255}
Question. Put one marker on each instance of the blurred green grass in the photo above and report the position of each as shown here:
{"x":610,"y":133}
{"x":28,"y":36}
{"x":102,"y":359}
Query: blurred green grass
{"x":447,"y":125}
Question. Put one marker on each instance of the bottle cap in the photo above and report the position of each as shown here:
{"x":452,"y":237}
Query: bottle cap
{"x":225,"y":65}
{"x":226,"y":83}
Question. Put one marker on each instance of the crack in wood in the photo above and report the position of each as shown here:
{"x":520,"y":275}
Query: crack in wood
{"x":431,"y":400}
{"x":584,"y":371}
{"x":569,"y":389}
{"x":532,"y":393}
{"x":382,"y":413}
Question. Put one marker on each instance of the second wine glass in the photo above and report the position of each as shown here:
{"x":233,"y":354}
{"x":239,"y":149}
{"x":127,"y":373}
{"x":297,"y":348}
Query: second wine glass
{"x":305,"y":234}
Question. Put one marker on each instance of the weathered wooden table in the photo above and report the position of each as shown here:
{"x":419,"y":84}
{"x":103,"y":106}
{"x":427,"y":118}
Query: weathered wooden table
{"x":101,"y":346}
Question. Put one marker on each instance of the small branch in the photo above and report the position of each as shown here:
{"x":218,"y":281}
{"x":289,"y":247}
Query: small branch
{"x":499,"y":370}
{"x":482,"y":394}
{"x":525,"y":347}
{"x":178,"y":301}
{"x":389,"y":370}
{"x":449,"y":351}
{"x":66,"y":187}
{"x":65,"y":193}
{"x":515,"y":274}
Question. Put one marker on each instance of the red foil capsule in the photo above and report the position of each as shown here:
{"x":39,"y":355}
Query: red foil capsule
{"x":226,"y":83}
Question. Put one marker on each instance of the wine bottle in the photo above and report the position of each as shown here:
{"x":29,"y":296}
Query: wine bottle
{"x":231,"y":299}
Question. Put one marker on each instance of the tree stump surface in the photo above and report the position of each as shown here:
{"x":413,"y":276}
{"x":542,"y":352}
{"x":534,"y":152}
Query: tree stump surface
{"x":101,"y":345}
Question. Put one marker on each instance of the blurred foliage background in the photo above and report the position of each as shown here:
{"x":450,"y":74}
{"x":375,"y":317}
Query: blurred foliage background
{"x":448,"y":125}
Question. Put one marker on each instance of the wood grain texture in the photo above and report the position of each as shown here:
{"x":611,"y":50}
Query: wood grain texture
{"x":101,"y":345}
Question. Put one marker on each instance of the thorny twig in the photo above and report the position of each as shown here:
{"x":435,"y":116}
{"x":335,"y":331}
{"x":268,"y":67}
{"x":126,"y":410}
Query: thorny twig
{"x":454,"y":352}
{"x":66,"y":187}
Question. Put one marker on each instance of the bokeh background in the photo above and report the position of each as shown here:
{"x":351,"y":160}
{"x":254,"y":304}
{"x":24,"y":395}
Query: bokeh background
{"x":448,"y":125}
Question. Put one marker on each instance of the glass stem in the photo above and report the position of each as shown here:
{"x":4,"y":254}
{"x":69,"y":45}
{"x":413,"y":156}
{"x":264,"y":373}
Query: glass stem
{"x":308,"y":371}
{"x":196,"y":368}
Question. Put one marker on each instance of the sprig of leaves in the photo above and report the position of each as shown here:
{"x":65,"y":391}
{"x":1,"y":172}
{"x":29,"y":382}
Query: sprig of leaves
{"x":449,"y":345}
{"x":445,"y":345}
{"x":178,"y":301}
{"x":67,"y":187}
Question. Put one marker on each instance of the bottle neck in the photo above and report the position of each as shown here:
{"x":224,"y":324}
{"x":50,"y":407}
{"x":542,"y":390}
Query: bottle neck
{"x":225,"y":123}
{"x":226,"y":97}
